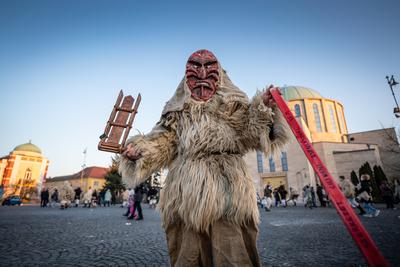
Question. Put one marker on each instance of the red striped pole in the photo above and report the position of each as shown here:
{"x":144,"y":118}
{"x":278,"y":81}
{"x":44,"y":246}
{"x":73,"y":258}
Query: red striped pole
{"x":348,"y":216}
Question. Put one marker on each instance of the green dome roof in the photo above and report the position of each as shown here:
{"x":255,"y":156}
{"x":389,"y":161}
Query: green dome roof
{"x":28,"y":147}
{"x":298,"y":92}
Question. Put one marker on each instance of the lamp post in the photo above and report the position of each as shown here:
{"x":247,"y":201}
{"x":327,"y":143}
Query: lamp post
{"x":83,"y":167}
{"x":392,"y":82}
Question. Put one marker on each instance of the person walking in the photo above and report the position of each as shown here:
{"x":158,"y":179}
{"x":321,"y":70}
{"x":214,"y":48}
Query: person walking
{"x":42,"y":198}
{"x":387,"y":194}
{"x":54,"y":198}
{"x":293,"y":195}
{"x":131,"y":205}
{"x":107,"y":198}
{"x":268,"y":197}
{"x":95,"y":199}
{"x":138,"y":200}
{"x":321,"y":195}
{"x":348,"y":190}
{"x":307,"y":198}
{"x":101,"y":200}
{"x":87,"y":198}
{"x":313,"y":198}
{"x":66,"y":195}
{"x":366,"y":197}
{"x":77,"y":198}
{"x":277,"y":197}
{"x":283,"y":193}
{"x":46,"y":197}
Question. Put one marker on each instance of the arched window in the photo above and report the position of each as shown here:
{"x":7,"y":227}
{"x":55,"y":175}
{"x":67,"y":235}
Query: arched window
{"x":297,"y":110}
{"x":271,"y":165}
{"x":333,"y":121}
{"x":260,"y":166}
{"x":28,"y":174}
{"x":284,"y":162}
{"x":341,"y":124}
{"x":317,"y":118}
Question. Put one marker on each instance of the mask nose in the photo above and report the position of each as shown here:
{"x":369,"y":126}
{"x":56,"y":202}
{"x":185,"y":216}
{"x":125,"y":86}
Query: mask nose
{"x":202,"y":72}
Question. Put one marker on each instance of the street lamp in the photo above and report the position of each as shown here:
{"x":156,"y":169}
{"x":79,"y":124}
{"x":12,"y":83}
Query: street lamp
{"x":392,"y":82}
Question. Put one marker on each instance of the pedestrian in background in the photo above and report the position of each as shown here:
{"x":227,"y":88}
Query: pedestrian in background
{"x":42,"y":198}
{"x":77,"y":198}
{"x":283,"y":193}
{"x":46,"y":197}
{"x":101,"y":200}
{"x":313,"y":198}
{"x":95,"y":198}
{"x":138,"y":200}
{"x":107,"y":198}
{"x":307,"y":197}
{"x":387,"y":194}
{"x":87,"y":198}
{"x":277,"y":197}
{"x":365,"y":196}
{"x":321,"y":195}
{"x":131,"y":206}
{"x":54,"y":198}
{"x":348,"y":190}
{"x":268,"y":197}
{"x":293,"y":195}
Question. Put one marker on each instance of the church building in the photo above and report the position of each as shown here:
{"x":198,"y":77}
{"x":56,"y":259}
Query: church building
{"x":23,"y":171}
{"x":323,"y":121}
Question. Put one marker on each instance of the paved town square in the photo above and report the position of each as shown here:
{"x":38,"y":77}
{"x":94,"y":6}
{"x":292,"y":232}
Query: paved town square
{"x":293,"y":236}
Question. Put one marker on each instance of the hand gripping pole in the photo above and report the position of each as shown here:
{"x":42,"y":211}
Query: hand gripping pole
{"x":348,"y":216}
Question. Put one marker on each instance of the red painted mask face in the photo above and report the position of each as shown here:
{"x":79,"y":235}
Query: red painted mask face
{"x":202,"y":75}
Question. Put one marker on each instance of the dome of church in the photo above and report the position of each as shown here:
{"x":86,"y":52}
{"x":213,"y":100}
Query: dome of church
{"x":298,"y":92}
{"x":29,"y":147}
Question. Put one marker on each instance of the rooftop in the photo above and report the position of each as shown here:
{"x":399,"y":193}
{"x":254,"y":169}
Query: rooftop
{"x":89,"y":172}
{"x":298,"y":92}
{"x":28,"y":147}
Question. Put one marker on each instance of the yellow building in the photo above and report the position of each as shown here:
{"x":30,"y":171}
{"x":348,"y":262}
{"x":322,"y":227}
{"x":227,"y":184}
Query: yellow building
{"x":23,"y":171}
{"x":93,"y":177}
{"x":323,"y":121}
{"x":323,"y":117}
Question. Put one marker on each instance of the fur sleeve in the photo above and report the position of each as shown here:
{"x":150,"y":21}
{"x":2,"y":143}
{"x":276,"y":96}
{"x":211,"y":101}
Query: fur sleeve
{"x":158,"y":149}
{"x":267,"y":129}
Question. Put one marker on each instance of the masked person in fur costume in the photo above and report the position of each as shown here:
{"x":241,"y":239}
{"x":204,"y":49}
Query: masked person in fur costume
{"x":66,"y":195}
{"x":208,"y":203}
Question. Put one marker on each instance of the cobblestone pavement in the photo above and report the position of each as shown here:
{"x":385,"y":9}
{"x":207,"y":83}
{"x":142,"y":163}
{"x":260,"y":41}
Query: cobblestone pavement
{"x":293,"y":236}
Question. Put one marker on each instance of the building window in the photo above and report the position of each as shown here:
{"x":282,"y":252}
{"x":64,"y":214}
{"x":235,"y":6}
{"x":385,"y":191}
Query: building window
{"x":260,"y":162}
{"x":271,"y":164}
{"x":341,"y":125}
{"x":96,"y":184}
{"x":28,"y":174}
{"x":297,"y":110}
{"x":317,"y":118}
{"x":333,"y":122}
{"x":284,"y":162}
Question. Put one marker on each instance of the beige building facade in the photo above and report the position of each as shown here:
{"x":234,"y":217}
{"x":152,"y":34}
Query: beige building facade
{"x":323,"y":121}
{"x":90,"y":177}
{"x":23,"y":171}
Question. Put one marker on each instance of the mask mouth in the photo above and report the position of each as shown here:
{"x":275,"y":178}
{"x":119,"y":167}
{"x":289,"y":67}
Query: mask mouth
{"x":202,"y":83}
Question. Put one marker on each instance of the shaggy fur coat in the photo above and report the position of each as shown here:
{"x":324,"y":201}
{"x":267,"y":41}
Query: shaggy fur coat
{"x":66,"y":193}
{"x":203,"y":145}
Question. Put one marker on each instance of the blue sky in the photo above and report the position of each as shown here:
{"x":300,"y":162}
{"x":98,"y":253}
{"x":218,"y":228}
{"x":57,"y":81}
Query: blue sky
{"x":62,"y":63}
